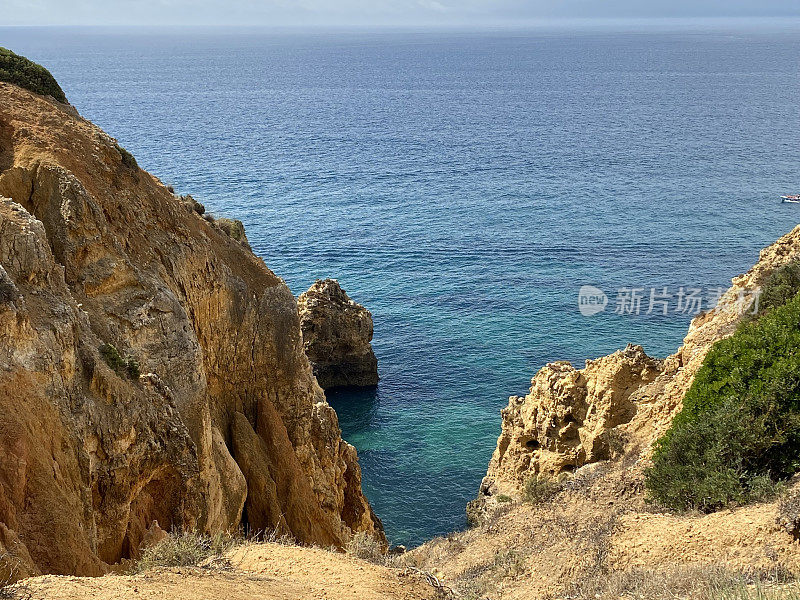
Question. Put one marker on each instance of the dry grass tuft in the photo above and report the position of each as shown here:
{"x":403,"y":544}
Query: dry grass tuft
{"x":186,"y":549}
{"x":539,"y":489}
{"x":366,"y":546}
{"x":9,"y":573}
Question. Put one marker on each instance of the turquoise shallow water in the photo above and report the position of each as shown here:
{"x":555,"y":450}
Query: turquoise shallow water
{"x":463,"y":186}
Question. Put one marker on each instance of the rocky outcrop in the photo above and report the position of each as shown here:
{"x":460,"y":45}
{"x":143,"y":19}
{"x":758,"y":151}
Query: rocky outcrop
{"x":336,"y":335}
{"x":589,"y":531}
{"x":628,"y":400}
{"x":569,"y":417}
{"x":221,"y":419}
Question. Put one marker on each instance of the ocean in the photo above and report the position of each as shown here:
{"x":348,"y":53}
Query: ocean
{"x":464,"y":186}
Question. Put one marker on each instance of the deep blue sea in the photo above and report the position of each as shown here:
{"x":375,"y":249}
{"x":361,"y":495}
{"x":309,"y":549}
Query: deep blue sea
{"x":463,"y":186}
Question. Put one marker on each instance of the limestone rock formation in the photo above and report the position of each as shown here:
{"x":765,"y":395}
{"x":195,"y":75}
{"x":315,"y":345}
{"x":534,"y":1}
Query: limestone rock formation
{"x":336,"y":334}
{"x":222,"y":418}
{"x":568,"y":418}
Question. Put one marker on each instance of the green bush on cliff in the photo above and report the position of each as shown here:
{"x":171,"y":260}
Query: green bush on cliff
{"x":127,"y":158}
{"x":121,"y":365}
{"x":27,"y":74}
{"x":781,"y":286}
{"x":738,"y":434}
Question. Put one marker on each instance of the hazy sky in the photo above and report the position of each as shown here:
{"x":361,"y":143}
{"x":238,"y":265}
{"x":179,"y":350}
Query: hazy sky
{"x":370,"y":12}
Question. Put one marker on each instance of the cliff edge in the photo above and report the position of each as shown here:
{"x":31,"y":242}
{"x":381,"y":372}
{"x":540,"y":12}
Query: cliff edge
{"x":151,"y":367}
{"x":571,"y":418}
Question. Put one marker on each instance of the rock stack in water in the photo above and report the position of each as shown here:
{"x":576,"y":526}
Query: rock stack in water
{"x":336,"y":334}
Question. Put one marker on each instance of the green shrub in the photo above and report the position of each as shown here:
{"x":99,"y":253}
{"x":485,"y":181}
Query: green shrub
{"x":127,"y":158}
{"x":27,"y":74}
{"x":780,"y":287}
{"x":539,"y":489}
{"x":121,"y":365}
{"x":739,"y":431}
{"x":132,"y":368}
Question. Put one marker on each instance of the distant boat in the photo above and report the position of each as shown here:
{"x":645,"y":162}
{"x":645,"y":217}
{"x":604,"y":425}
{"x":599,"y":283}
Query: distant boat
{"x":794,"y":198}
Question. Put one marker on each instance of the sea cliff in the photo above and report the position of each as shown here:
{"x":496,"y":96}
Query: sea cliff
{"x":563,"y":509}
{"x":151,"y":367}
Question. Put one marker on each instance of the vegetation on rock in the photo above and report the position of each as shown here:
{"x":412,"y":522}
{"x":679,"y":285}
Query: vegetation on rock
{"x":233,"y":228}
{"x":121,"y":365}
{"x":127,"y":158}
{"x":738,"y":433}
{"x":193,"y":204}
{"x":29,"y":75}
{"x":539,"y":489}
{"x":185,"y":550}
{"x":780,"y":287}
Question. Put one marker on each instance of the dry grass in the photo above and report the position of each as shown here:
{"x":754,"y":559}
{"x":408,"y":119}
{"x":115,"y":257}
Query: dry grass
{"x":366,"y":546}
{"x":483,"y":580}
{"x":9,"y":573}
{"x":758,"y":592}
{"x":186,"y":549}
{"x":561,"y":548}
{"x":691,"y":582}
{"x":539,"y":489}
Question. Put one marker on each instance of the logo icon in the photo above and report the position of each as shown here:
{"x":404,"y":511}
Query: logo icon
{"x":591,"y":300}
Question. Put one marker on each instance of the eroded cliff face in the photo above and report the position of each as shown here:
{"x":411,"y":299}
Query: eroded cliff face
{"x":337,"y":333}
{"x":226,"y":423}
{"x":619,"y":403}
{"x":568,"y":418}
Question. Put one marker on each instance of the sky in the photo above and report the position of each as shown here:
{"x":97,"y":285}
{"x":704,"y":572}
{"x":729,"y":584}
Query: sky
{"x":373,"y":12}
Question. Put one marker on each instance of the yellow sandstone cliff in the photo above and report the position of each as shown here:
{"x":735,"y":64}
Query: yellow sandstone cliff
{"x":618,"y":403}
{"x":151,"y":367}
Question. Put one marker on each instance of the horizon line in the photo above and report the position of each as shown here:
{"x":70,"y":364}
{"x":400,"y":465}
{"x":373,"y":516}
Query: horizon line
{"x":534,"y":23}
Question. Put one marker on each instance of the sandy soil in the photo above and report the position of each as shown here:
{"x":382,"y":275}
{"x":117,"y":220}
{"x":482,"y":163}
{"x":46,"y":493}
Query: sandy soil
{"x":586,"y":538}
{"x":263,"y":571}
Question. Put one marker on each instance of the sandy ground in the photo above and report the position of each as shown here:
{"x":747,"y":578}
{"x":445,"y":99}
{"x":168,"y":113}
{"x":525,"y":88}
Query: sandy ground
{"x":587,"y":538}
{"x":257,"y":571}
